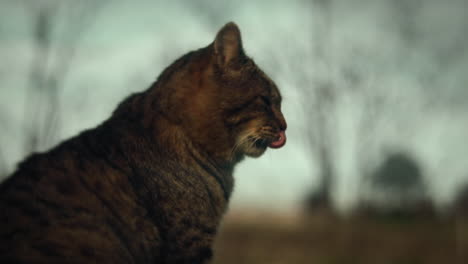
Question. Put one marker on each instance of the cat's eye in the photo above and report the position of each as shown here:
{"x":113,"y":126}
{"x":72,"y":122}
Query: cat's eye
{"x":266,"y":100}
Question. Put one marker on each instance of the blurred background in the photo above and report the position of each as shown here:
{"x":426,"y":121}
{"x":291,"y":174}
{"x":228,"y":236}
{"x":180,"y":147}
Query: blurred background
{"x":376,"y":165}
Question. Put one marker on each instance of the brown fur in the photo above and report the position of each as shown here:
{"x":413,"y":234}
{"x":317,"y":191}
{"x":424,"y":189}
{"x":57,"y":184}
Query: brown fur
{"x":151,"y":183}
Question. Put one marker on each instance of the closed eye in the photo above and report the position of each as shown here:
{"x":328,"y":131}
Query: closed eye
{"x":266,"y":100}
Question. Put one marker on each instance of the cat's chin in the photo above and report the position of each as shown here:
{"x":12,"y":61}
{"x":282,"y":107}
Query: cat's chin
{"x":255,"y":152}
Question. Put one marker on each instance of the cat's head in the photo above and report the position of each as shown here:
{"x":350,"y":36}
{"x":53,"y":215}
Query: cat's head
{"x":224,"y":102}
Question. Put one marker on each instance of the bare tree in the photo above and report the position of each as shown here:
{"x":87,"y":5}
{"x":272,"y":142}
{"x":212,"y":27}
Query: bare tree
{"x":57,"y":27}
{"x":322,"y":101}
{"x":406,"y":11}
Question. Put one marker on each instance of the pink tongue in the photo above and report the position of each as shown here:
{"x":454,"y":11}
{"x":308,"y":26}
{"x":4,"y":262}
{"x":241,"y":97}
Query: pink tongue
{"x":280,"y":142}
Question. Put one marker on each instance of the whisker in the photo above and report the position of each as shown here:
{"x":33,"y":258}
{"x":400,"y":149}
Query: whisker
{"x":249,"y":137}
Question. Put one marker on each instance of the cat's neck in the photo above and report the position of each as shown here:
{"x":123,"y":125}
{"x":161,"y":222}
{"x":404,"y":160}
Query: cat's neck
{"x":175,"y":142}
{"x":151,"y":148}
{"x":174,"y":139}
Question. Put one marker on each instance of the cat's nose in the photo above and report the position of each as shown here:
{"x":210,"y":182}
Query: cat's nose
{"x":281,"y":121}
{"x":283,"y":125}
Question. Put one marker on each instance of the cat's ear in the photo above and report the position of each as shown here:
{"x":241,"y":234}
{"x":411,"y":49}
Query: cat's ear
{"x":228,"y":44}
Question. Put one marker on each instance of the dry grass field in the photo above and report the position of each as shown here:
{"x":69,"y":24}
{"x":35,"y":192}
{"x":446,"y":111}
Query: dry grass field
{"x":322,"y":238}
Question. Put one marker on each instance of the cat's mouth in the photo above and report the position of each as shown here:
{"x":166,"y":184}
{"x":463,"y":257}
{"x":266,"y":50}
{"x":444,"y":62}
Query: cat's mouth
{"x":255,"y":145}
{"x":274,"y":142}
{"x":280,"y":141}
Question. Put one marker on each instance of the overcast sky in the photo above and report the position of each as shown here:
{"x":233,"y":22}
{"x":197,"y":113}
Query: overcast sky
{"x":417,"y":71}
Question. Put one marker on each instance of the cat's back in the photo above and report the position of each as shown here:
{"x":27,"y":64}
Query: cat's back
{"x":69,"y":204}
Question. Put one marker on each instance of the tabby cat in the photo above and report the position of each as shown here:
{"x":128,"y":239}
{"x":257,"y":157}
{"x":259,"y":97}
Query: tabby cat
{"x":151,"y":183}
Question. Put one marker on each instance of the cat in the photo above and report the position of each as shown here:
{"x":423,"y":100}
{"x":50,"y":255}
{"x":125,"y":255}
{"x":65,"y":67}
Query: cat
{"x":151,"y":183}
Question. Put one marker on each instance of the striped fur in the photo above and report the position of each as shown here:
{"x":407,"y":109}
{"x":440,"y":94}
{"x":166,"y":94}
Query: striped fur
{"x":151,"y":183}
